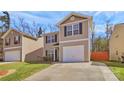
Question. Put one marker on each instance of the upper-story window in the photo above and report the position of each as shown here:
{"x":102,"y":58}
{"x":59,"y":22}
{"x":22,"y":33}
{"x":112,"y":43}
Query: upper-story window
{"x":7,"y":41}
{"x":76,"y":29}
{"x":69,"y":30}
{"x":51,"y":38}
{"x":73,"y":29}
{"x":48,"y":39}
{"x":16,"y":39}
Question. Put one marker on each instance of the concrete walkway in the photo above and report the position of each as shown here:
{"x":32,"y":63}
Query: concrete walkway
{"x":74,"y":72}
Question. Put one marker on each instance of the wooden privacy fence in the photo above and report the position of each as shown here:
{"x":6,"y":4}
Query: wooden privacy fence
{"x":100,"y":56}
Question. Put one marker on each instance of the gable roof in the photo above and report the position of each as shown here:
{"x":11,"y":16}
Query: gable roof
{"x":22,"y":33}
{"x":73,"y":14}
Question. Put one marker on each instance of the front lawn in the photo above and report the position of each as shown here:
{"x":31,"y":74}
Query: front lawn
{"x":117,"y":68}
{"x":23,"y":70}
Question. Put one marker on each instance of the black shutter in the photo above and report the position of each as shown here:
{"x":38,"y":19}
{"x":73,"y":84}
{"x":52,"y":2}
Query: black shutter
{"x":46,"y":39}
{"x":46,"y":53}
{"x":65,"y":31}
{"x":19,"y":39}
{"x":55,"y":54}
{"x":56,"y":38}
{"x":80,"y":28}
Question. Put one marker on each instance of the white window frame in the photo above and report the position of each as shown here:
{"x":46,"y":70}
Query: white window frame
{"x":7,"y":41}
{"x":72,"y":25}
{"x":76,"y":29}
{"x":53,"y":38}
{"x":17,"y":38}
{"x":68,"y":30}
{"x":50,"y":39}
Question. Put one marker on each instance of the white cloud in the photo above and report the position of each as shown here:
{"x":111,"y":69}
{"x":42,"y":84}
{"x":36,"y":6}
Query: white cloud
{"x":100,"y":28}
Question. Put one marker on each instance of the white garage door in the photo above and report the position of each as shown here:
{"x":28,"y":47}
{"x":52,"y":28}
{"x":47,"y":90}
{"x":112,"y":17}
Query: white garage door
{"x":12,"y":55}
{"x":73,"y":53}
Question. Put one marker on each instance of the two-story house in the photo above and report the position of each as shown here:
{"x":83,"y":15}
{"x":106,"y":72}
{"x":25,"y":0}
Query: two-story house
{"x":72,"y":42}
{"x":18,"y":46}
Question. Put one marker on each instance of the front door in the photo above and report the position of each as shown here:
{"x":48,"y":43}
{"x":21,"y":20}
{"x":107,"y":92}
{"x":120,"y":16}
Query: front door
{"x":52,"y":53}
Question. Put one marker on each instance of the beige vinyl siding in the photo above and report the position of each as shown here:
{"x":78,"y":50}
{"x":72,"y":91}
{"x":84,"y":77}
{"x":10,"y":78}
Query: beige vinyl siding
{"x":83,"y":43}
{"x":116,"y":44}
{"x":73,"y":37}
{"x":11,"y":35}
{"x":32,"y":50}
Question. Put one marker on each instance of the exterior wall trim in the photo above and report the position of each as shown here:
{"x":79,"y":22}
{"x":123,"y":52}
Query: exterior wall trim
{"x":74,"y":40}
{"x":12,"y":47}
{"x":89,"y":44}
{"x":74,"y":22}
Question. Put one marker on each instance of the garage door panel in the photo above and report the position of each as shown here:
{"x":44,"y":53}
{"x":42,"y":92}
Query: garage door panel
{"x":12,"y":55}
{"x":73,"y":53}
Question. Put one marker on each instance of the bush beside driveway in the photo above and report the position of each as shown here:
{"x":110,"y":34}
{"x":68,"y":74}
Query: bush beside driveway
{"x":23,"y":70}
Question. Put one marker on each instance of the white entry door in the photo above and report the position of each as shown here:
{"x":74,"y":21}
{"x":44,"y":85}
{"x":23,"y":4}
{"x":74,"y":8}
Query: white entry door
{"x":12,"y":55}
{"x":73,"y":53}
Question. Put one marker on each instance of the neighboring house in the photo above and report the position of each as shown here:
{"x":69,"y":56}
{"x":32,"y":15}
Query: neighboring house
{"x":72,"y":42}
{"x":116,"y":45}
{"x":18,"y":46}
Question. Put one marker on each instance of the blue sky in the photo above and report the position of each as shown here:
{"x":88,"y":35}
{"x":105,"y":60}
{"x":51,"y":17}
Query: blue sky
{"x":49,"y":17}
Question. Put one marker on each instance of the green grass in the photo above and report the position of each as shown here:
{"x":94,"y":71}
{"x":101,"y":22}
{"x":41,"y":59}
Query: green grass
{"x":117,"y":68}
{"x":23,"y":70}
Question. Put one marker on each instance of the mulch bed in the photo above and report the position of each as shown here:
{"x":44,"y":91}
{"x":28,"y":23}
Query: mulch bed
{"x":3,"y":72}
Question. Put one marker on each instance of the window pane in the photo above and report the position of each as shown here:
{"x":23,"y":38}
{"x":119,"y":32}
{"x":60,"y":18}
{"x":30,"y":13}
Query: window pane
{"x":69,"y":30}
{"x":76,"y":32}
{"x":7,"y":41}
{"x":16,"y":39}
{"x":48,"y":39}
{"x":53,"y":38}
{"x":76,"y":29}
{"x":69,"y":33}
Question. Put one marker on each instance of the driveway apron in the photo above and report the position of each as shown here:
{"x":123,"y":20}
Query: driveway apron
{"x":74,"y":72}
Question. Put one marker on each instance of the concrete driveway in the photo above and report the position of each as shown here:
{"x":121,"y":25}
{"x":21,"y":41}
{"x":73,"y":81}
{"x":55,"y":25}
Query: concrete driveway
{"x":74,"y":72}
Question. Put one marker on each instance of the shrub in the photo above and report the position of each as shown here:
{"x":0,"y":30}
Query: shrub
{"x":43,"y":60}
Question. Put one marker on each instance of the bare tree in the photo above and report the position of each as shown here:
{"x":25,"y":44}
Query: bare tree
{"x":23,"y":26}
{"x":20,"y":26}
{"x":33,"y":28}
{"x":109,"y":30}
{"x":52,"y":27}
